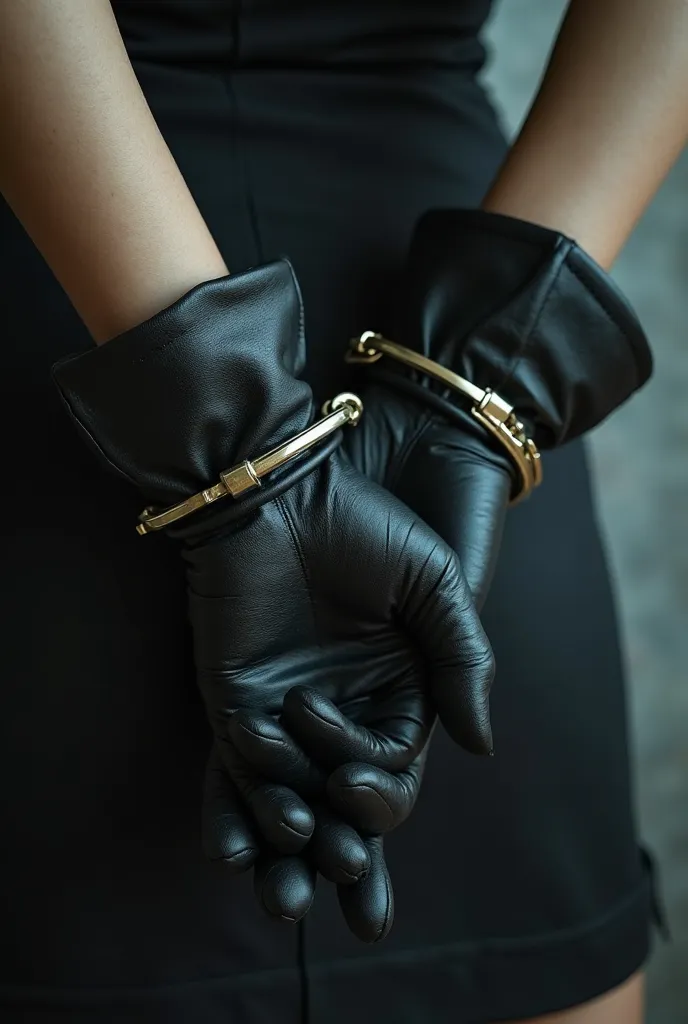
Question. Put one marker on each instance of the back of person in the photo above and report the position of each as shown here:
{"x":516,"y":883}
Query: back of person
{"x":322,"y":132}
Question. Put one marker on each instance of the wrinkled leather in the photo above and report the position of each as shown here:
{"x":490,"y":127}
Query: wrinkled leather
{"x":451,"y":477}
{"x":199,"y":390}
{"x":523,"y":310}
{"x":510,"y":306}
{"x":329,"y":617}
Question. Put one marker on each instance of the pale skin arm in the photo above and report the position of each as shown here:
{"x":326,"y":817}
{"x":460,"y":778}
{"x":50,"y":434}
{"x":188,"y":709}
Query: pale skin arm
{"x":86,"y":170}
{"x":608,"y":122}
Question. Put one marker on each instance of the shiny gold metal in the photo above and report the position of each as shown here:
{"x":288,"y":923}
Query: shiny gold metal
{"x":343,"y":409}
{"x":345,"y":398}
{"x":488,"y":408}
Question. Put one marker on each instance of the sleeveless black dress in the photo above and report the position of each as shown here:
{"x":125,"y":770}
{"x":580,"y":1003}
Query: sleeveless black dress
{"x":321,"y":131}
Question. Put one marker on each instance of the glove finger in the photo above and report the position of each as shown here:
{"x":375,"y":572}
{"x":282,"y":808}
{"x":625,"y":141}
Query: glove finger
{"x":368,"y":906}
{"x":284,"y":886}
{"x":282,"y":817}
{"x":337,"y":850}
{"x":227,"y":835}
{"x":371,"y":800}
{"x":269,"y":748}
{"x":333,"y":739}
{"x":437,"y":610}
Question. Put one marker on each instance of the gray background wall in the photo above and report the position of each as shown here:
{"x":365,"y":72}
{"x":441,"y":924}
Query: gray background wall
{"x":640,"y":461}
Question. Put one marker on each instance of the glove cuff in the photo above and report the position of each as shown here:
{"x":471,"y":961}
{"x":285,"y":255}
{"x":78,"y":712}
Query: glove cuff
{"x":521,"y":310}
{"x":204,"y":384}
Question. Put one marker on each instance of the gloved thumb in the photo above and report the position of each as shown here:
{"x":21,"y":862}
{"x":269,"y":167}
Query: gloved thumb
{"x":437,"y":610}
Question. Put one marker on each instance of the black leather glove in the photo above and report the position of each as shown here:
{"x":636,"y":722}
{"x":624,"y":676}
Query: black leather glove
{"x":320,"y":579}
{"x":511,"y":307}
{"x":354,"y":806}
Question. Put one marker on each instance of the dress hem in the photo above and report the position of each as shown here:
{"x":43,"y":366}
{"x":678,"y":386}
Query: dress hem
{"x":466,"y":983}
{"x":497,"y":980}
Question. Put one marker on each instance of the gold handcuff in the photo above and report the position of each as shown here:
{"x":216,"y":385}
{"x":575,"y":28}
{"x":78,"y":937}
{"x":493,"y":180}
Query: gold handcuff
{"x":343,"y":409}
{"x":487,"y":407}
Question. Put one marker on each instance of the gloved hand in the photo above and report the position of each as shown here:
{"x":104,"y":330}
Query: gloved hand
{"x":353,"y":807}
{"x":319,"y":579}
{"x":511,"y":307}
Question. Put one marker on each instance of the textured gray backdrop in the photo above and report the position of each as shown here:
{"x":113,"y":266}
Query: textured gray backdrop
{"x":640,"y":460}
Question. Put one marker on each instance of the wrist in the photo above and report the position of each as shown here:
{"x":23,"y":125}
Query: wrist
{"x":113,"y":309}
{"x":524,"y":190}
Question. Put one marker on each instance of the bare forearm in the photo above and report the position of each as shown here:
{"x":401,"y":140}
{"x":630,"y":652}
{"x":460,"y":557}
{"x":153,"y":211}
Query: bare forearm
{"x":608,"y":122}
{"x":86,"y":171}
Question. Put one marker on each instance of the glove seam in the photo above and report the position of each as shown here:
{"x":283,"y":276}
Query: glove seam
{"x":302,"y":315}
{"x":592,"y":290}
{"x":527,"y":339}
{"x":568,"y":263}
{"x":291,"y":530}
{"x":92,"y":441}
{"x":400,"y":460}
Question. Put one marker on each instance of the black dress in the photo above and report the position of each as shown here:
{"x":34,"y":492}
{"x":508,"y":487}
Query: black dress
{"x":321,"y":131}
